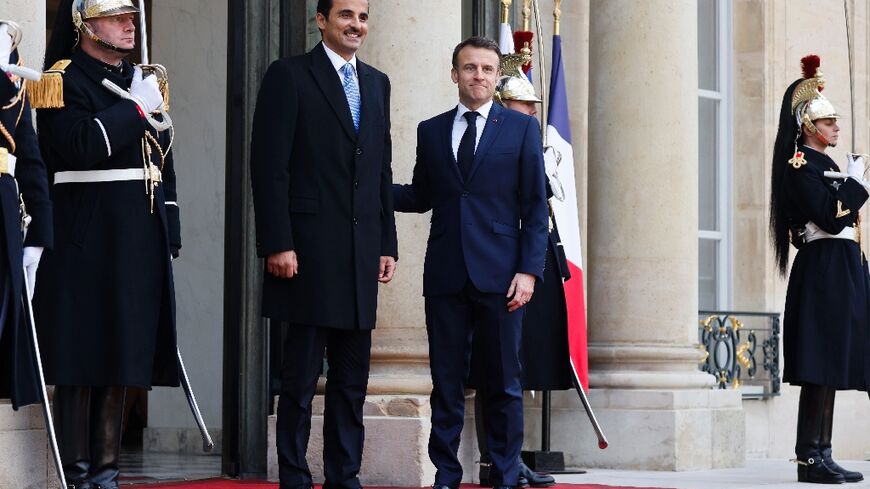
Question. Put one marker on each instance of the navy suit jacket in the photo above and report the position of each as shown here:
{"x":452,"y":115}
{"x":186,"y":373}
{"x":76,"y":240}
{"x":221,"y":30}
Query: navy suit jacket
{"x":491,"y":226}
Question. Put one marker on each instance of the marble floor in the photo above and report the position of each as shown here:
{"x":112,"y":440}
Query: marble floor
{"x":147,"y":467}
{"x":757,"y":473}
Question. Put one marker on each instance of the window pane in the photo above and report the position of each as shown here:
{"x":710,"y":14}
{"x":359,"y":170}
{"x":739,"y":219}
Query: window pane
{"x":708,"y":271}
{"x":708,"y":53}
{"x":708,"y":188}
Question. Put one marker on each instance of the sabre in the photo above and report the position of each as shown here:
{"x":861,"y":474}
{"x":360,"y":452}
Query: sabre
{"x":46,"y":409}
{"x":602,"y":440}
{"x":207,"y":443}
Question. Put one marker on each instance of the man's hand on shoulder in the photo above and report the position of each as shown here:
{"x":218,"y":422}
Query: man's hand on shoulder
{"x":521,"y":289}
{"x":387,"y":269}
{"x":283,"y":264}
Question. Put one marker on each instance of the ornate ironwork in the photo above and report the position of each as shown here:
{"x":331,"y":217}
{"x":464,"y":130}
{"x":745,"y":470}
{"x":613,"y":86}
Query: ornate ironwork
{"x":742,"y":351}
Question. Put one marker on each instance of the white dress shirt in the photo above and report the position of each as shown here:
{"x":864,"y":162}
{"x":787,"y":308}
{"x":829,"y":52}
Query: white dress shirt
{"x":460,"y":125}
{"x":338,"y":62}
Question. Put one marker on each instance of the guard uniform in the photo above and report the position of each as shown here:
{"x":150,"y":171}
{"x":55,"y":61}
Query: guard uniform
{"x":20,"y":160}
{"x":105,"y":300}
{"x":826,"y":334}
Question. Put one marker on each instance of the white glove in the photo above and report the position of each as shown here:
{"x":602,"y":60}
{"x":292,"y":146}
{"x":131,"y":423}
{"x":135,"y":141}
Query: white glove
{"x":856,"y":166}
{"x":32,"y":254}
{"x":552,"y":158}
{"x":5,"y":46}
{"x":146,"y":93}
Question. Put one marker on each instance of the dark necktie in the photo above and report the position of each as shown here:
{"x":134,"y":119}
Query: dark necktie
{"x":465,"y":153}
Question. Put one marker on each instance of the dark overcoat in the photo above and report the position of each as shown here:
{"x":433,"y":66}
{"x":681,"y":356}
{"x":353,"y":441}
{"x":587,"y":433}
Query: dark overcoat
{"x":825,"y":333}
{"x":18,"y":379}
{"x":105,"y":301}
{"x":323,"y":190}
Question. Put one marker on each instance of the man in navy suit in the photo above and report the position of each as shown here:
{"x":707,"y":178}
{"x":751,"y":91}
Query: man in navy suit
{"x":480,"y":170}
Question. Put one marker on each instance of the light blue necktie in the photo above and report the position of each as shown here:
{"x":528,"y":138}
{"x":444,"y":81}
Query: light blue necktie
{"x":351,"y":91}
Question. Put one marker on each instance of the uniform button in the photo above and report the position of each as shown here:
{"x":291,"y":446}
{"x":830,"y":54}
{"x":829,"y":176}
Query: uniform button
{"x":359,"y":151}
{"x":355,"y":222}
{"x":465,"y":193}
{"x":356,"y":185}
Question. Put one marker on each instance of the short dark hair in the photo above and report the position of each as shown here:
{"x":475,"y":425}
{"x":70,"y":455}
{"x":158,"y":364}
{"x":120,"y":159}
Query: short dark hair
{"x":475,"y":42}
{"x":323,"y":7}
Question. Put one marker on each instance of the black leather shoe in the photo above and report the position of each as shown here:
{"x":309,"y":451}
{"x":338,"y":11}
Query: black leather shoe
{"x":534,"y":479}
{"x":441,"y":486}
{"x":817,"y":472}
{"x":848,"y":475}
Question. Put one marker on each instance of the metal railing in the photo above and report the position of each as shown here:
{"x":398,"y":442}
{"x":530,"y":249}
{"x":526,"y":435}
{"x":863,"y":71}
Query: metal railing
{"x":742,"y":351}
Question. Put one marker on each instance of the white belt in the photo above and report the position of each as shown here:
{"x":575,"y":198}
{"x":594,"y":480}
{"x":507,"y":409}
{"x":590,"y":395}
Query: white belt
{"x":7,"y":162}
{"x":94,"y":176}
{"x":813,"y":232}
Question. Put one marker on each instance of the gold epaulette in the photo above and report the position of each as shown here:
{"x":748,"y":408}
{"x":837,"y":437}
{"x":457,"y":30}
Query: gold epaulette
{"x":47,"y":93}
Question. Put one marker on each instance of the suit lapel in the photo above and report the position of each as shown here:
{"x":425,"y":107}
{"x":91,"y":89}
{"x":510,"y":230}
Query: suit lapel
{"x":447,"y":138}
{"x":327,"y":80}
{"x":366,"y":90}
{"x":490,"y":132}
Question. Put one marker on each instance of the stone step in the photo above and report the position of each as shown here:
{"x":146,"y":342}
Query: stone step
{"x":26,"y":458}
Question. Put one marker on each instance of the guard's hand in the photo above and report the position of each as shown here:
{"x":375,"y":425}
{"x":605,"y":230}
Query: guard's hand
{"x":856,"y":166}
{"x":30,"y":260}
{"x":146,"y":93}
{"x":5,"y":45}
{"x":283,"y":265}
{"x":521,"y":289}
{"x":387,"y":269}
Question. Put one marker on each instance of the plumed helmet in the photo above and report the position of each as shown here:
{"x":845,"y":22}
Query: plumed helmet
{"x":514,"y":85}
{"x":807,"y":102}
{"x":92,"y":9}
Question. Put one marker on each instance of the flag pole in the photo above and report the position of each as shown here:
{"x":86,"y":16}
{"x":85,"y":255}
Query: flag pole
{"x":542,"y":68}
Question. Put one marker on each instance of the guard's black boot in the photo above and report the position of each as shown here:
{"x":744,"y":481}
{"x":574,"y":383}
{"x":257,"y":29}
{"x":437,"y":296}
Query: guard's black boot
{"x":533,"y":478}
{"x":811,"y":466}
{"x":107,"y":413}
{"x":71,"y":419}
{"x":825,"y":439}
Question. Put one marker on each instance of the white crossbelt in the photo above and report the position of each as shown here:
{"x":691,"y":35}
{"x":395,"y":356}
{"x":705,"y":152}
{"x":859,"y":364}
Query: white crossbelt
{"x":94,"y":176}
{"x":814,"y":232}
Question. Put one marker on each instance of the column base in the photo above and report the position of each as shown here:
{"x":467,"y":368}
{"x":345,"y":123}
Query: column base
{"x":397,"y":431}
{"x":647,"y":429}
{"x":27,"y":461}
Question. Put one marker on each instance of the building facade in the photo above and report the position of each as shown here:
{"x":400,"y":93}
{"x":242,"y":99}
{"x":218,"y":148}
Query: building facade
{"x":674,"y":109}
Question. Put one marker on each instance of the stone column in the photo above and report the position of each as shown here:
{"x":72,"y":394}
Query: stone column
{"x":412,"y":42}
{"x":655,"y":405}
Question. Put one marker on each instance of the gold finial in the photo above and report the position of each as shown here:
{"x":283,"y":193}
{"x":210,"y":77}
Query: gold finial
{"x":527,"y":15}
{"x":506,"y":11}
{"x":557,"y":15}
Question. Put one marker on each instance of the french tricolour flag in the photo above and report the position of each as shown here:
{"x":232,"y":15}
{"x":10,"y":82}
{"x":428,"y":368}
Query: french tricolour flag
{"x":567,"y":218}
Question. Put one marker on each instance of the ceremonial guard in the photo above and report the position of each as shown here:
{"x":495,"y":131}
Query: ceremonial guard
{"x":22,"y":179}
{"x":104,"y":302}
{"x":544,"y":347}
{"x":826,"y":311}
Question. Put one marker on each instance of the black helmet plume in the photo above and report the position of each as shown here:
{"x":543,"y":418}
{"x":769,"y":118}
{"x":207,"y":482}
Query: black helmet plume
{"x":63,"y":36}
{"x":783,"y":150}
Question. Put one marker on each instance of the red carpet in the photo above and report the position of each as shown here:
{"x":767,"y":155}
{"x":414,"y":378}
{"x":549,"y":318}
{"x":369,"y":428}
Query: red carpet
{"x":234,"y":484}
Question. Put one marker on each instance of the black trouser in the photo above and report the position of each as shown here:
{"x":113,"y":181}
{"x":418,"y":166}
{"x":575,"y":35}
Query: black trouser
{"x":89,"y":421}
{"x":348,"y":353}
